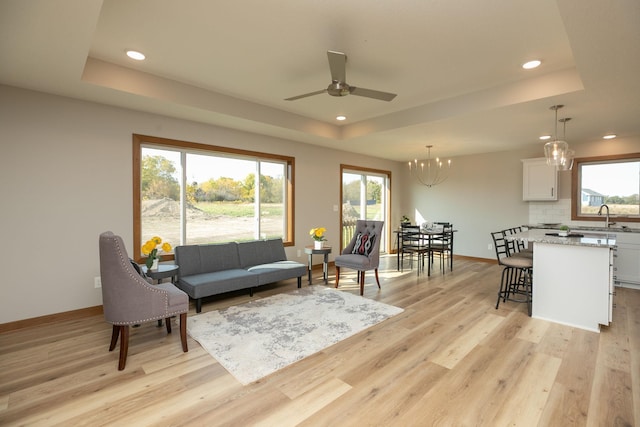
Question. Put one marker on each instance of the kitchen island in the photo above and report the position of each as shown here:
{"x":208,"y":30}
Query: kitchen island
{"x":572,"y":277}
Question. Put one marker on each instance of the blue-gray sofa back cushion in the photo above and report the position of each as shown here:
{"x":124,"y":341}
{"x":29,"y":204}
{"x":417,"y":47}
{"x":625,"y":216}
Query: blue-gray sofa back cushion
{"x":260,"y":252}
{"x":198,"y":259}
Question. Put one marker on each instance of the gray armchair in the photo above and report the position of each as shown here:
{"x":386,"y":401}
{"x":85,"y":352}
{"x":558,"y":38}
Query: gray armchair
{"x":363,"y":252}
{"x":128,"y":299}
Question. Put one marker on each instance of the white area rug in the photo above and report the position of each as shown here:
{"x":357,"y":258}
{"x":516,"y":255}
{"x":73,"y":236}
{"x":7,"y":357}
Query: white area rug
{"x":255,"y":339}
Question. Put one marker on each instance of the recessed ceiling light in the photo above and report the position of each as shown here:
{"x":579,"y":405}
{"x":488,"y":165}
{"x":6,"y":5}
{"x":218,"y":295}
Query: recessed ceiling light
{"x":610,"y":136}
{"x":531,"y":64}
{"x":341,"y":118}
{"x":133,"y":54}
{"x":545,"y":137}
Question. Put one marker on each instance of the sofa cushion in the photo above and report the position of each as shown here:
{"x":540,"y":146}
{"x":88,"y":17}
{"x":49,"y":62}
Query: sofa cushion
{"x":276,"y":271}
{"x":198,"y":259}
{"x":261,"y":252}
{"x":218,"y":257}
{"x":217,"y":282}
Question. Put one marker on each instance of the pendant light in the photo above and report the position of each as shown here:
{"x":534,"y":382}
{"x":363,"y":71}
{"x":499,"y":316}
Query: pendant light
{"x":566,"y":161}
{"x":555,"y":150}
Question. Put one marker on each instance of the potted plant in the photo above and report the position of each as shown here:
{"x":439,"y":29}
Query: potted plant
{"x":317,"y":234}
{"x":405,"y":220}
{"x":564,"y":231}
{"x":151,"y":249}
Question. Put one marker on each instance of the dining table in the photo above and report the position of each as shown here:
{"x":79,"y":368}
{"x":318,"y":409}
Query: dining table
{"x":429,"y":234}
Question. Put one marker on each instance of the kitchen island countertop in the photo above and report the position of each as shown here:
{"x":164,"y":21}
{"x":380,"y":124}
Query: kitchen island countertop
{"x":541,"y":236}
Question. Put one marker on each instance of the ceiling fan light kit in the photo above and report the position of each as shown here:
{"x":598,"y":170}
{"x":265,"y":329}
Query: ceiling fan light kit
{"x":339,"y":85}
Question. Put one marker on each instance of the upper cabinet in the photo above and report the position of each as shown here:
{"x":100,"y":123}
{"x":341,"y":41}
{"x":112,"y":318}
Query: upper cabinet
{"x":539,"y":180}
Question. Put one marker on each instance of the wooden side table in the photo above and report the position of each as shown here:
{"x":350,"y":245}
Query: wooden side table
{"x":311,"y":251}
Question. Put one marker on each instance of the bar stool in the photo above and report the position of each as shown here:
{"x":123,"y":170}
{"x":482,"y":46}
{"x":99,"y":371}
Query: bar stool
{"x":516,"y":281}
{"x":517,"y":247}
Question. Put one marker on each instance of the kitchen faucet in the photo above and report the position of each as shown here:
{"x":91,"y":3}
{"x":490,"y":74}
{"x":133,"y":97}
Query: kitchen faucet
{"x":600,"y":213}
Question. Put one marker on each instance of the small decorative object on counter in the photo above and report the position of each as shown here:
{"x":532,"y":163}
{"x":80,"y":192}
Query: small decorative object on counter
{"x":151,"y":248}
{"x":317,"y":234}
{"x":564,"y":231}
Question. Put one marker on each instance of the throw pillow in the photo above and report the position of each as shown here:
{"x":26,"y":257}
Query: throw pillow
{"x":364,"y":244}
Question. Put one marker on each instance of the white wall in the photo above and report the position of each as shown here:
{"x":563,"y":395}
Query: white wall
{"x":66,"y":176}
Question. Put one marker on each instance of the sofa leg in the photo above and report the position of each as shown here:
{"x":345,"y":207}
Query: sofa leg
{"x":198,"y":305}
{"x":167,"y":321}
{"x":299,"y":282}
{"x":337,"y":275}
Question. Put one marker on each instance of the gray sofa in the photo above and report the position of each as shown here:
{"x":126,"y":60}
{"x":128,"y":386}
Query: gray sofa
{"x":213,"y":269}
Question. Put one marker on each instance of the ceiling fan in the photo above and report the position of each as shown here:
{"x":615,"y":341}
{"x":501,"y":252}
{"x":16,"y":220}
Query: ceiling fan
{"x":339,"y":86}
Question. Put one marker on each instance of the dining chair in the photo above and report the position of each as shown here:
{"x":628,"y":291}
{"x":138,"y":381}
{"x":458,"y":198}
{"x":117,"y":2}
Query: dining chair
{"x":442,"y":245}
{"x":128,"y":299}
{"x":415,"y":243}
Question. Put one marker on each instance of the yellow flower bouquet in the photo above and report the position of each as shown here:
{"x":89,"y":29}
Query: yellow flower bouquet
{"x":317,"y":234}
{"x":151,"y":248}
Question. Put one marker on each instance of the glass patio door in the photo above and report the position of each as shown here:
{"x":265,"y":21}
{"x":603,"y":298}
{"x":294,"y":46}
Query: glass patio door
{"x":365,"y":195}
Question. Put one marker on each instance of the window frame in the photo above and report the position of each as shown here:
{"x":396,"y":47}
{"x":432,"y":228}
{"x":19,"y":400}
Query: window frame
{"x":576,"y":185}
{"x":145,"y":140}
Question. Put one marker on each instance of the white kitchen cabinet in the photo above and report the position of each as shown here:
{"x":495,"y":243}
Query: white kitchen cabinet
{"x":539,"y":180}
{"x":627,"y":259}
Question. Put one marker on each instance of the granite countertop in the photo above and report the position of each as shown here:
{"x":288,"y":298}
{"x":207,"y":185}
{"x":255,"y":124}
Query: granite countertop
{"x":614,"y":229}
{"x":585,"y":239}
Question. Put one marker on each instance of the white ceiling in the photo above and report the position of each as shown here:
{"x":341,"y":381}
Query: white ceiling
{"x":454,"y":64}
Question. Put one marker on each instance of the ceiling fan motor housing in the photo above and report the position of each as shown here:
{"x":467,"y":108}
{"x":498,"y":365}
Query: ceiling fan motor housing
{"x":338,"y":89}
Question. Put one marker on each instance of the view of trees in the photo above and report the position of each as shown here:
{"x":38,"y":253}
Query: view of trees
{"x":623,"y":200}
{"x":351,"y":191}
{"x":158,"y":181}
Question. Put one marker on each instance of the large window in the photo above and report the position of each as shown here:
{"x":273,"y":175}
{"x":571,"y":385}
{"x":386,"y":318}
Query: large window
{"x":610,"y":180}
{"x":190,"y":193}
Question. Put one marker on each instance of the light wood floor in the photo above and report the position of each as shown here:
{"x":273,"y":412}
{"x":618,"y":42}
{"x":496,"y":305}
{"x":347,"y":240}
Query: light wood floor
{"x":449,"y":359}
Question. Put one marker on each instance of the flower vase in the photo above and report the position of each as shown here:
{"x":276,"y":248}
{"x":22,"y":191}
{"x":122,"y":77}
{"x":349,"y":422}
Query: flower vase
{"x":317,"y":244}
{"x":154,"y":265}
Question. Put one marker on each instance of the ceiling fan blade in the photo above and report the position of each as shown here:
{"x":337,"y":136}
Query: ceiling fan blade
{"x":318,"y":92}
{"x":370,"y":93}
{"x":337,"y":65}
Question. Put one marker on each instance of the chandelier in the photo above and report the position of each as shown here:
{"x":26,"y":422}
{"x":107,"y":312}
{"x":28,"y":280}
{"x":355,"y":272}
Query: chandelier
{"x":429,"y":172}
{"x":555,"y":151}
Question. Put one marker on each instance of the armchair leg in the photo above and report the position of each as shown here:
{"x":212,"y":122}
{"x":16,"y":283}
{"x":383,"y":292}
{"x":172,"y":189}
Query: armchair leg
{"x":361,"y":280}
{"x":124,"y":346}
{"x":114,"y":337}
{"x":337,"y":275}
{"x":377,"y":280}
{"x":183,"y":331}
{"x":167,"y":321}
